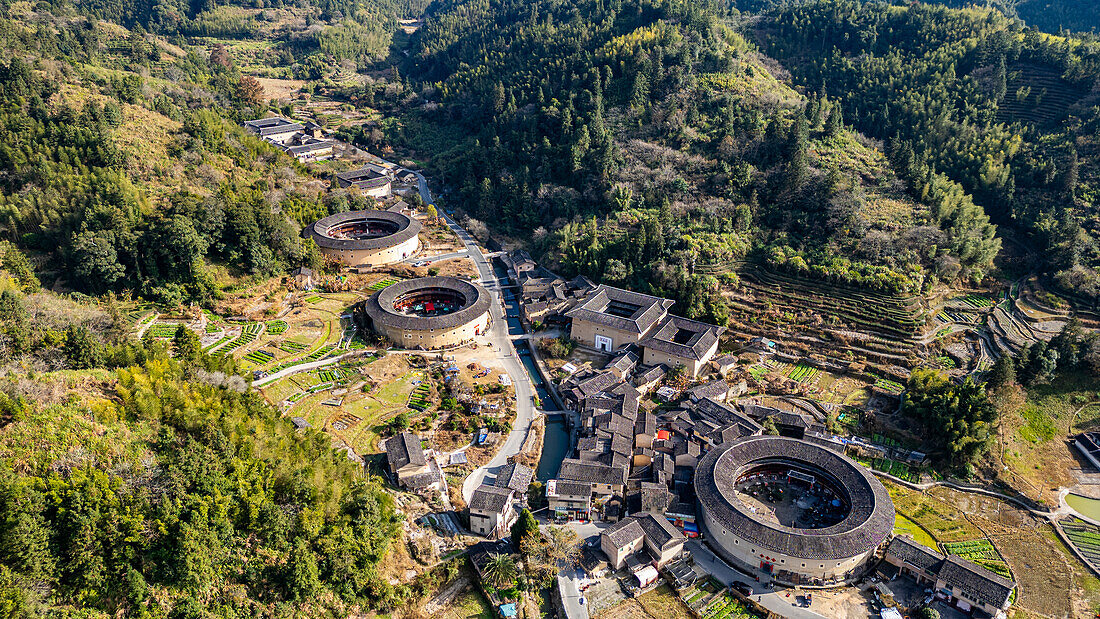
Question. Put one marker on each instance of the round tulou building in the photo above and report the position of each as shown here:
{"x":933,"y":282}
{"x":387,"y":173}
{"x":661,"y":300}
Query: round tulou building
{"x":428,"y":312}
{"x":366,"y":238}
{"x":798,"y":510}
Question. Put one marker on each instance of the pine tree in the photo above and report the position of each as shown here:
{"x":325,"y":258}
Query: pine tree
{"x":834,"y":122}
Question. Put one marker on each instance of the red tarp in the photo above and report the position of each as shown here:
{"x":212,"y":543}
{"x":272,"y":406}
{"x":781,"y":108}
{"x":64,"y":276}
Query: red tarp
{"x":429,"y":306}
{"x":662,"y":435}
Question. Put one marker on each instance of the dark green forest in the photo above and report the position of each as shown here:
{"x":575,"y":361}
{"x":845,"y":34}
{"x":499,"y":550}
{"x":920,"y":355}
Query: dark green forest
{"x":637,"y":140}
{"x":1008,"y":112}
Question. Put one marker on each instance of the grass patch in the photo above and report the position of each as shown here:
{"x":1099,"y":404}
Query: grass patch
{"x":1038,"y":426}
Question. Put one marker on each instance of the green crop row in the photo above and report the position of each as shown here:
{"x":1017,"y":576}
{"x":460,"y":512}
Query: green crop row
{"x":382,"y":283}
{"x":250,"y":332}
{"x":277,"y":327}
{"x":291,"y":346}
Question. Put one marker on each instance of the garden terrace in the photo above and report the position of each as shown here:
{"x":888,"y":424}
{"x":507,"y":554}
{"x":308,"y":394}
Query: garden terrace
{"x":876,"y":313}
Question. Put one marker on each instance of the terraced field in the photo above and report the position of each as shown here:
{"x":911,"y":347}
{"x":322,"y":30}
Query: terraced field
{"x":248,"y":335}
{"x":162,"y":330}
{"x":1084,"y":536}
{"x":277,"y":327}
{"x":1036,"y":95}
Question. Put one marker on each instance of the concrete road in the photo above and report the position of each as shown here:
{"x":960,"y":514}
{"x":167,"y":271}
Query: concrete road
{"x":454,"y":254}
{"x":502,"y":348}
{"x":568,"y":586}
{"x":775,"y":600}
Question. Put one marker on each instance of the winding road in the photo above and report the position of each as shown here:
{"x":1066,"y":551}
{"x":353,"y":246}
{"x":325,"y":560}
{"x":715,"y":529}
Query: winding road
{"x":503,"y":347}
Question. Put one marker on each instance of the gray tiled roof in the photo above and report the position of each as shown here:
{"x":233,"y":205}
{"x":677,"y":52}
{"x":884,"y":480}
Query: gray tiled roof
{"x":869,"y":522}
{"x":407,"y":228}
{"x":650,"y":374}
{"x":576,"y":470}
{"x":624,"y":531}
{"x":490,"y":499}
{"x":909,"y":551}
{"x":655,"y":497}
{"x":659,"y":530}
{"x":669,"y":338}
{"x":594,"y":309}
{"x":380,"y":307}
{"x":600,"y":382}
{"x":976,"y":582}
{"x":404,"y":449}
{"x":572,"y":488}
{"x":713,"y":389}
{"x":514,"y":476}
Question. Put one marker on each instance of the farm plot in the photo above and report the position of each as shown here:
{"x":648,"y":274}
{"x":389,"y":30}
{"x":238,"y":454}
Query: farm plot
{"x":163,"y":330}
{"x":291,"y":346}
{"x":260,"y":357}
{"x":803,"y":373}
{"x":1084,"y":536}
{"x":316,"y":355}
{"x":248,"y":335}
{"x":980,"y":551}
{"x":418,"y":399}
{"x":316,"y":298}
{"x":712,"y":601}
{"x":973,"y":300}
{"x":277,"y":327}
{"x":382,"y":283}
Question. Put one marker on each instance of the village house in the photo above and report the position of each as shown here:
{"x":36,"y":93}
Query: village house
{"x":276,"y":129}
{"x":492,"y":512}
{"x":372,"y":180}
{"x":569,"y":500}
{"x":962,"y":583}
{"x":407,"y":464}
{"x":610,"y":318}
{"x":641,"y":533}
{"x":681,"y":342}
{"x":515,"y":477}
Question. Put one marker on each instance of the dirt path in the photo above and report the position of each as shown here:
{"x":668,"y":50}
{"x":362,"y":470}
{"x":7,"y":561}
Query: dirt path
{"x":447,"y":595}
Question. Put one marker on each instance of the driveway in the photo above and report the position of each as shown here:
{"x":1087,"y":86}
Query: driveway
{"x":502,"y":347}
{"x":774,"y":600}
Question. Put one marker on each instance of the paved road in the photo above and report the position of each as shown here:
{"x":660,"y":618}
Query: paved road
{"x":504,"y":349}
{"x":454,"y":254}
{"x":774,"y":600}
{"x":568,"y":586}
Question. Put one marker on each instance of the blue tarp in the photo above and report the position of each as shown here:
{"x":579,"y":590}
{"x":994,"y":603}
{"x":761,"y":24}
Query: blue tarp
{"x":507,"y":610}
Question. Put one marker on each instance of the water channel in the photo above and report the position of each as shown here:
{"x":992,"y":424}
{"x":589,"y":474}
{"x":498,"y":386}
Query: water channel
{"x":556,"y":441}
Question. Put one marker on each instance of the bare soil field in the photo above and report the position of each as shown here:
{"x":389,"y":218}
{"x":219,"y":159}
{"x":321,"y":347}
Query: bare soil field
{"x":280,"y":89}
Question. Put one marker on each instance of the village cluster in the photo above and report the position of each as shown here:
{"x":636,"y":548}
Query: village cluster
{"x":669,"y":440}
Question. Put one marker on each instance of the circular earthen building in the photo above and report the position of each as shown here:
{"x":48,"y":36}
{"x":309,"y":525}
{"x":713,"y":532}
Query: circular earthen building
{"x":801,"y":511}
{"x":366,"y":238}
{"x":428,"y":312}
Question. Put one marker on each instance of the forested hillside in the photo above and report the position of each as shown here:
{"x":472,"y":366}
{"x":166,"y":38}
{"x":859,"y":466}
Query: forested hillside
{"x":1008,"y":112}
{"x":647,"y":143}
{"x":124,"y":167}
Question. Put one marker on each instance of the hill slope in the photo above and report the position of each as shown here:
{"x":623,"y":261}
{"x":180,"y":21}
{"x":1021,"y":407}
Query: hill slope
{"x":662,"y":122}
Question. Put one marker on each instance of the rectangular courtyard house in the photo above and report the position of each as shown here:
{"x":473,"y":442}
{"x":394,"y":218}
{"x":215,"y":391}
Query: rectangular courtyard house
{"x":962,"y":583}
{"x":373,"y":180}
{"x":569,"y":500}
{"x":650,"y":538}
{"x":276,"y":130}
{"x":681,"y":342}
{"x":610,"y":318}
{"x":308,"y":148}
{"x":491,"y":511}
{"x":406,"y":460}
